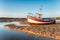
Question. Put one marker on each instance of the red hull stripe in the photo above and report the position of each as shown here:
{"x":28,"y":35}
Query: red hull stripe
{"x":40,"y":20}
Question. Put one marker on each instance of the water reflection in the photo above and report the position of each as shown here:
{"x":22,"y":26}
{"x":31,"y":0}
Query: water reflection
{"x":6,"y":34}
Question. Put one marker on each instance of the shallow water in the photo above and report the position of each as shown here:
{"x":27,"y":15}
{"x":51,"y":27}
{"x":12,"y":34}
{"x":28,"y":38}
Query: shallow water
{"x":6,"y":34}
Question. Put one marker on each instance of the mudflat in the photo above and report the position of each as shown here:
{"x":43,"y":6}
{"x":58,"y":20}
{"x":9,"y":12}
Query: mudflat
{"x":50,"y":30}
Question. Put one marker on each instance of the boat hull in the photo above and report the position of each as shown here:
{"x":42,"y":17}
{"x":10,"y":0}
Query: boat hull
{"x":33,"y":20}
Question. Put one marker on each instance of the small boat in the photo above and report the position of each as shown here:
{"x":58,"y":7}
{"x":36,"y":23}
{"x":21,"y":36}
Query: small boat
{"x":34,"y":20}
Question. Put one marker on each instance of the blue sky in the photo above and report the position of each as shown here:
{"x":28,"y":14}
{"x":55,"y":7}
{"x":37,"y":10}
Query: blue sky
{"x":21,"y":8}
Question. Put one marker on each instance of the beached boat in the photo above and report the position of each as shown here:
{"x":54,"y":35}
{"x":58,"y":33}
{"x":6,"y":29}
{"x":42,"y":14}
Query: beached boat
{"x":34,"y":20}
{"x":39,"y":20}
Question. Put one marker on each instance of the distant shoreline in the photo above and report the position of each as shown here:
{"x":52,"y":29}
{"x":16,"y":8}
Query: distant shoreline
{"x":11,"y":19}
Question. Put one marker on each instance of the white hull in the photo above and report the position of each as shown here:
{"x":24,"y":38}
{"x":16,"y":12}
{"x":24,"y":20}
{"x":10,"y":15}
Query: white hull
{"x":33,"y":21}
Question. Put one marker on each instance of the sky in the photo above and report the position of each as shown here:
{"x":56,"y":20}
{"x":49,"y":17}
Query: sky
{"x":21,"y":8}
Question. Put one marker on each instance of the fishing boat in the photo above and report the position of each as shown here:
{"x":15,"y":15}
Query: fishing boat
{"x":34,"y":20}
{"x":39,"y":20}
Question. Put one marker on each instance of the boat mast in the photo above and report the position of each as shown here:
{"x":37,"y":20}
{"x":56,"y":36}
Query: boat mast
{"x":40,"y":15}
{"x":41,"y":9}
